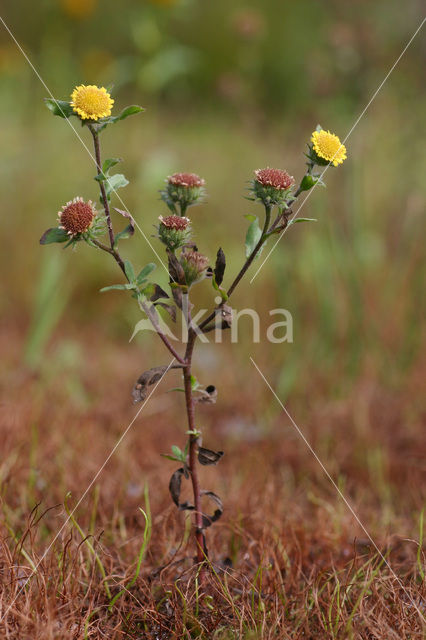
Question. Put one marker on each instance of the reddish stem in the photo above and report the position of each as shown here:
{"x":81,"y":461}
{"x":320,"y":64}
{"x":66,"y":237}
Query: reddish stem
{"x":198,"y":517}
{"x":113,"y":251}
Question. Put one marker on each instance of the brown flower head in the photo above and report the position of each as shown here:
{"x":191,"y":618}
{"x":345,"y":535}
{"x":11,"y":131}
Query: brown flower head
{"x":188,"y":180}
{"x":276,"y":178}
{"x":184,"y":190}
{"x":76,"y":216}
{"x":194,"y":265}
{"x":272,"y":186}
{"x":174,"y":231}
{"x":179,"y":223}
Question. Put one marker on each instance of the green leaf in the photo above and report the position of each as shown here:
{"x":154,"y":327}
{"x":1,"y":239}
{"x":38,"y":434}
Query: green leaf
{"x":194,"y":383}
{"x":120,"y":287}
{"x":221,"y":291}
{"x":112,"y":183}
{"x":308,"y":182}
{"x":165,"y":455}
{"x":250,"y":217}
{"x":129,"y":111}
{"x":54,"y":235}
{"x":61,"y":108}
{"x":144,"y":273}
{"x":254,"y":233}
{"x":177,"y":452}
{"x":117,"y":181}
{"x":147,"y":290}
{"x":128,"y":268}
{"x":110,"y":162}
{"x":302,"y":220}
{"x":123,"y":235}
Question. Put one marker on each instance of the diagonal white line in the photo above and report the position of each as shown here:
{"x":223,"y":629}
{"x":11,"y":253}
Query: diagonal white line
{"x":346,"y":138}
{"x":349,"y":506}
{"x":117,"y":444}
{"x":79,"y":137}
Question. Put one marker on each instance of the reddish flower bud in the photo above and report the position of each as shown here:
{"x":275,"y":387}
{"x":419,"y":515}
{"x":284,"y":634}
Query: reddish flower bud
{"x":175,"y":222}
{"x":183,"y":189}
{"x":276,"y":178}
{"x":186,"y":180}
{"x":174,"y":231}
{"x":194,"y":265}
{"x":272,"y":186}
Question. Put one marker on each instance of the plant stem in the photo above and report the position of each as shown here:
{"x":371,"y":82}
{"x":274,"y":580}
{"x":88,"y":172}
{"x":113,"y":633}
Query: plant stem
{"x":151,"y":315}
{"x":253,"y":254}
{"x":113,"y":251}
{"x":192,"y":440}
{"x":105,"y":202}
{"x":246,"y":265}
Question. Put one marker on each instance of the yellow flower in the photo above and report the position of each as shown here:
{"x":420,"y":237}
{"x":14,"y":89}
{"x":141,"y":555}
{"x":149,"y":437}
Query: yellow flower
{"x":79,"y":9}
{"x":91,"y":102}
{"x":328,"y":147}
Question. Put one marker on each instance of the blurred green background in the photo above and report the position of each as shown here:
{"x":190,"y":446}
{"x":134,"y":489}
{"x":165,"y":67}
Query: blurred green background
{"x":228,"y":87}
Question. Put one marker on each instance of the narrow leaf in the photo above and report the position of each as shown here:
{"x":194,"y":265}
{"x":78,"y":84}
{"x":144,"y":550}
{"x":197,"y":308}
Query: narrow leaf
{"x":220,"y":265}
{"x":119,"y":287}
{"x":166,"y":455}
{"x":254,"y":233}
{"x":144,"y":273}
{"x":178,"y":453}
{"x":302,"y":220}
{"x":128,"y":268}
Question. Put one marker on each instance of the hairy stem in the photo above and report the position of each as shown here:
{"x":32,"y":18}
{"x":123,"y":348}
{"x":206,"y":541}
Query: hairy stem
{"x":113,"y":251}
{"x":105,"y":202}
{"x":192,"y":440}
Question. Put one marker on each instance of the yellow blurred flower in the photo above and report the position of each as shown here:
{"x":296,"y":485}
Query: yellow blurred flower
{"x":79,"y":9}
{"x":328,"y":147}
{"x":91,"y":102}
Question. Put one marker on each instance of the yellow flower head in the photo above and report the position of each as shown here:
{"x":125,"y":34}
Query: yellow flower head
{"x":91,"y":102}
{"x":328,"y":147}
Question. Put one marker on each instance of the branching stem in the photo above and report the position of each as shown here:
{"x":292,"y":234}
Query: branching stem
{"x":113,"y":251}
